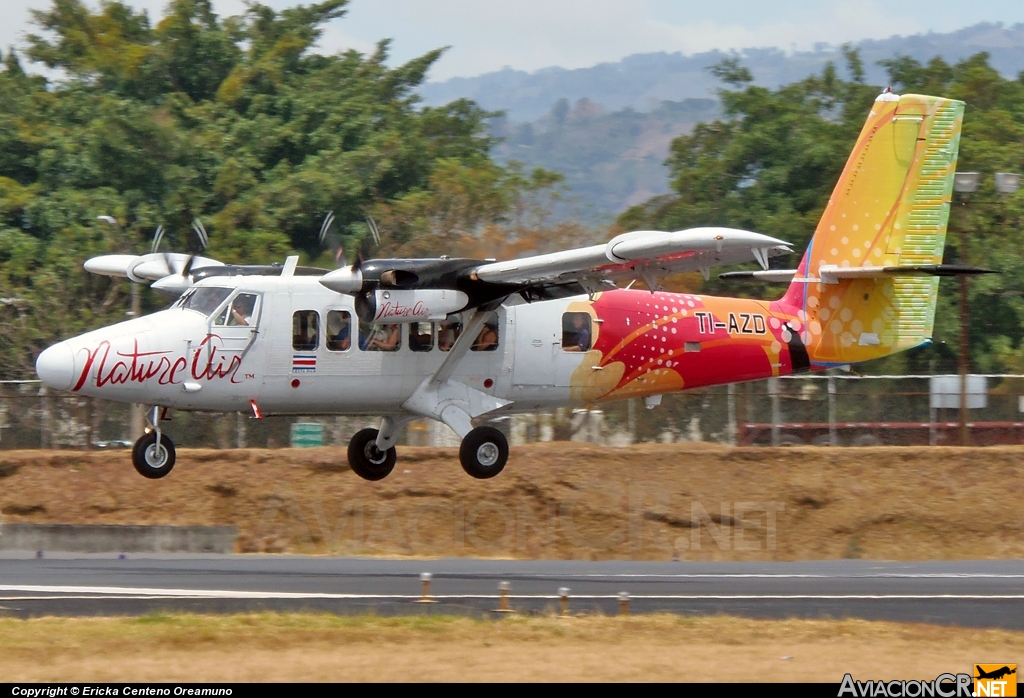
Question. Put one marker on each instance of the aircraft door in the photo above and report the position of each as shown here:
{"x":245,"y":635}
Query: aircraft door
{"x":536,"y":341}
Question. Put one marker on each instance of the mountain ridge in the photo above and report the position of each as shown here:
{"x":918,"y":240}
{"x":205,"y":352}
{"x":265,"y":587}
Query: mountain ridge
{"x":642,"y":81}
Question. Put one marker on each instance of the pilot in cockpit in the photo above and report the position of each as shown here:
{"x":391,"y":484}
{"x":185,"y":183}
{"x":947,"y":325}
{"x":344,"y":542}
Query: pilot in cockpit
{"x":241,"y":309}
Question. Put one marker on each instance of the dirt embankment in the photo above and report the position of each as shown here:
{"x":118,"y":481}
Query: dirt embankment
{"x":558,"y":500}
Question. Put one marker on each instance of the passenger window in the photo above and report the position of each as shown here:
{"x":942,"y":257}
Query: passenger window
{"x":421,"y":336}
{"x":487,"y":338}
{"x":576,"y":332}
{"x":305,"y":330}
{"x":447,"y":334}
{"x":339,"y":330}
{"x":374,"y":337}
{"x":240,"y":312}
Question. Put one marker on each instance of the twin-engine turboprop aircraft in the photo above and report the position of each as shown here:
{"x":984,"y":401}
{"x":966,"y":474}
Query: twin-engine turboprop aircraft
{"x":461,"y":339}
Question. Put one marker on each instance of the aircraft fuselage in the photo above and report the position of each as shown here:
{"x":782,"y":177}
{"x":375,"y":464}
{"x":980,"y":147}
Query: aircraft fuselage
{"x":639,"y":344}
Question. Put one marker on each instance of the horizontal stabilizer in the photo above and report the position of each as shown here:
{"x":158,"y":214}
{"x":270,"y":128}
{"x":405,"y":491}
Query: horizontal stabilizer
{"x":783,"y":276}
{"x":832,"y":274}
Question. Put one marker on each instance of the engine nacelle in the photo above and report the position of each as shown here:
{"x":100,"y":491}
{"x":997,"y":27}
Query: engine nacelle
{"x":406,"y":306}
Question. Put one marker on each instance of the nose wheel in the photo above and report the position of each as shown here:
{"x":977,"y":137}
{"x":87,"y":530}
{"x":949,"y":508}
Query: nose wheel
{"x":153,"y":455}
{"x":484,"y":452}
{"x":368,"y":461}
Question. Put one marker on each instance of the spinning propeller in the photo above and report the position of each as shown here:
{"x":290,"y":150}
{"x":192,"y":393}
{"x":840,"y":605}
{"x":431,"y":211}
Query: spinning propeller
{"x":347,"y":279}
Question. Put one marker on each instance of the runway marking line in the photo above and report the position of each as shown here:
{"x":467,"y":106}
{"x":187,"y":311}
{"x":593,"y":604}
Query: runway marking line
{"x":757,"y":575}
{"x":81,"y":592}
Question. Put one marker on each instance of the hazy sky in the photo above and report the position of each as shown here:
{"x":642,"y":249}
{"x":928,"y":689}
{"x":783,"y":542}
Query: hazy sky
{"x":487,"y":35}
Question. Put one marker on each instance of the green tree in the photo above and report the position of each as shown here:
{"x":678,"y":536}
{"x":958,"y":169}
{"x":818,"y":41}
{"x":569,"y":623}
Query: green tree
{"x":237,"y":121}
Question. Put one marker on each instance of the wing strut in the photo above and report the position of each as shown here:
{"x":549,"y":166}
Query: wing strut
{"x":456,"y":404}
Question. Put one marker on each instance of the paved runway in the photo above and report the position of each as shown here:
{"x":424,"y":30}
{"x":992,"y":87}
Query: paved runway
{"x":980,"y":594}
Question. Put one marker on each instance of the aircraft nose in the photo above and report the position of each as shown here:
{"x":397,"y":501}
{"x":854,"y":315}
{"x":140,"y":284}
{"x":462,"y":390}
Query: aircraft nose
{"x":56,"y":366}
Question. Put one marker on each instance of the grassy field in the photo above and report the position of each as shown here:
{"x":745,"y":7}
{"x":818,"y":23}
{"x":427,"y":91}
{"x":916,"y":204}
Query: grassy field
{"x":303,"y":647}
{"x":558,"y":500}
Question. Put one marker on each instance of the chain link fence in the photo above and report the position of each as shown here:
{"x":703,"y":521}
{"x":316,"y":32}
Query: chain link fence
{"x":838,"y":410}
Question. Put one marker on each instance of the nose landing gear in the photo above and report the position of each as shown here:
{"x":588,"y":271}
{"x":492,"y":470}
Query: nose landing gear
{"x":153,"y":454}
{"x":368,"y":461}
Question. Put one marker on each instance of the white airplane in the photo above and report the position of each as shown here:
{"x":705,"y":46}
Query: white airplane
{"x":457,"y":340}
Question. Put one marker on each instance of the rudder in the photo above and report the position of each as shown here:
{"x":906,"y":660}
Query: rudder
{"x":889,"y":209}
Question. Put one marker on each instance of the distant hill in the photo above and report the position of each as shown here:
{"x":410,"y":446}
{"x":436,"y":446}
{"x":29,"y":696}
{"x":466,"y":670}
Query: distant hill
{"x":643,"y":81}
{"x":608,"y":128}
{"x":610,"y":160}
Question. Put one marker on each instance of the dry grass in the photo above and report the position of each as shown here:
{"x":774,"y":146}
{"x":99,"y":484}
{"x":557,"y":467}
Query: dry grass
{"x":559,"y":500}
{"x":304,"y":647}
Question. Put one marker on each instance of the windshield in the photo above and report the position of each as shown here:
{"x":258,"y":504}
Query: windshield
{"x":204,"y":300}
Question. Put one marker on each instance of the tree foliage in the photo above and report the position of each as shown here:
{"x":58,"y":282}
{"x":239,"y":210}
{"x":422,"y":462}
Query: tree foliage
{"x":770,"y":165}
{"x":237,"y":121}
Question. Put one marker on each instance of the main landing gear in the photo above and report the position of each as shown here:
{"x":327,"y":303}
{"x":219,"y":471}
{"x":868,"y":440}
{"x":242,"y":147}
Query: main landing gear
{"x":483,"y":453}
{"x":153,"y":454}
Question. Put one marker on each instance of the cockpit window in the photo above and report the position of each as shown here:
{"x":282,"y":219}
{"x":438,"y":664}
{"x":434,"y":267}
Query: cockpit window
{"x":239,"y":312}
{"x":204,"y":300}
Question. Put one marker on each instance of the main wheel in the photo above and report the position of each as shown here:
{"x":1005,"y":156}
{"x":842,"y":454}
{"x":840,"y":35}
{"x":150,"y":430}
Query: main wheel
{"x":368,"y":461}
{"x":484,"y":452}
{"x":151,"y":460}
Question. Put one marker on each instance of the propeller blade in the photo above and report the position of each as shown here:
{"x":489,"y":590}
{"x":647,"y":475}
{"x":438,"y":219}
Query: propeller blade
{"x":331,"y":240}
{"x":187,"y":269}
{"x":372,"y":224}
{"x":157,"y":238}
{"x":325,"y":226}
{"x":363,"y":253}
{"x":200,"y":231}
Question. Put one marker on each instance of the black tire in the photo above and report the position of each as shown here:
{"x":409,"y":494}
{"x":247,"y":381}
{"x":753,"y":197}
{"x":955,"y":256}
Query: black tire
{"x":790,"y":440}
{"x":151,"y":462}
{"x":484,"y":452}
{"x":368,"y":461}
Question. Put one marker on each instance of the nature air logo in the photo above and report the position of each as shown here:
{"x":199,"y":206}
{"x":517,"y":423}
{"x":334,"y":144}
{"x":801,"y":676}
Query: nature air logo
{"x":995,"y":680}
{"x":987,"y":680}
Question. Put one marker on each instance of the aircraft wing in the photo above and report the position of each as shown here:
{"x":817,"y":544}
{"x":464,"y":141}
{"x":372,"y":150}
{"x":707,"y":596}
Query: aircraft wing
{"x":146,"y":267}
{"x":647,"y":254}
{"x":170,"y":273}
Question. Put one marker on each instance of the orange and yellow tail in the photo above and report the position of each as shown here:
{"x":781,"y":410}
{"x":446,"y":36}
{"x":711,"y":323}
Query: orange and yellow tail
{"x":867,"y":285}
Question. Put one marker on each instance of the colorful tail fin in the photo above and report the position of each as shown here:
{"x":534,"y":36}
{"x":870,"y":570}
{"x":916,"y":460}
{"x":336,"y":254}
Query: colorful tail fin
{"x":889,"y":209}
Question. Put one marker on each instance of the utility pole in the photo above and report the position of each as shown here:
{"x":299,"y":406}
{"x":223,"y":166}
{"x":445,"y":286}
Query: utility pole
{"x":964,"y":359}
{"x":138,"y":423}
{"x":966,"y":183}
